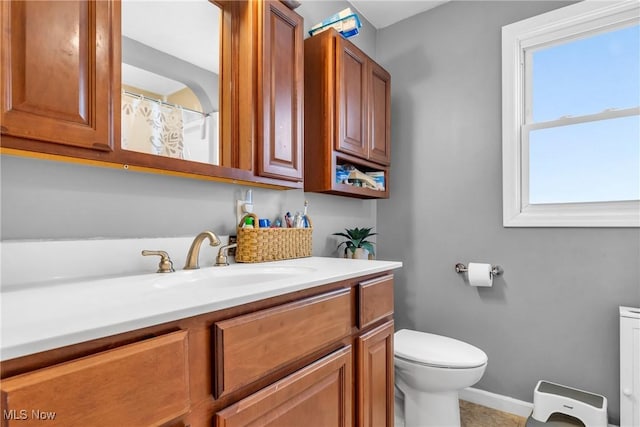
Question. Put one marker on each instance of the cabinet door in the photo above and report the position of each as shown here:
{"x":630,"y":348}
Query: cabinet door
{"x":140,"y":384}
{"x":375,"y":377}
{"x":351,"y":108}
{"x":318,"y":395}
{"x":281,"y":84}
{"x":57,"y":72}
{"x":379,"y":114}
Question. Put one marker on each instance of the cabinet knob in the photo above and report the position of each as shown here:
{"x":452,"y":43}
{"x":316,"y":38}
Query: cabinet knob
{"x":626,"y":391}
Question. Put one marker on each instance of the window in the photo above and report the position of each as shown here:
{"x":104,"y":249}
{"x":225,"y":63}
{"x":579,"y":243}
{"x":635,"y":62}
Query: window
{"x":571,"y":117}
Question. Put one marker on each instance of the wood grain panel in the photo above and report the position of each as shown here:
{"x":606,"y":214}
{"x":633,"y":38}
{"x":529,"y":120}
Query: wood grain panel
{"x":351,"y":66}
{"x":280,"y":148}
{"x":57,"y":78}
{"x":376,"y":300}
{"x":376,"y":377}
{"x":319,"y":395}
{"x":319,"y":101}
{"x":141,"y":384}
{"x":379,"y":114}
{"x":251,"y":346}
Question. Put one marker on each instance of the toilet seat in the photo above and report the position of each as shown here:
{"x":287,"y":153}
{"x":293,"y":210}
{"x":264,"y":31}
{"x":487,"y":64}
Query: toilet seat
{"x":437,"y":351}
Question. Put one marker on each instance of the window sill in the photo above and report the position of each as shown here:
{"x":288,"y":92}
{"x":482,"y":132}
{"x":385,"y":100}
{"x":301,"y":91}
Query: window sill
{"x":611,"y":214}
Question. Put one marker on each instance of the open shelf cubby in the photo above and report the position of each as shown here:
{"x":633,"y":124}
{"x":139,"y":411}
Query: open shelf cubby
{"x":350,"y":175}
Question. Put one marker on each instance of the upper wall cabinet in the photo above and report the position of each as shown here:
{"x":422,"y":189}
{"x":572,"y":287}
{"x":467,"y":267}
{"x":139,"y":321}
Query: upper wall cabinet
{"x":80,"y":82}
{"x":281,"y":83}
{"x":57,"y":73}
{"x":347,"y":119}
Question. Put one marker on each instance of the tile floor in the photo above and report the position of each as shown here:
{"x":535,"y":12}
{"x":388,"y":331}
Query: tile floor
{"x":473,"y":415}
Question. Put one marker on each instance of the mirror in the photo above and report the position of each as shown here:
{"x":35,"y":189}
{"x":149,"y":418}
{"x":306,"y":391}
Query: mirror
{"x":170,"y":79}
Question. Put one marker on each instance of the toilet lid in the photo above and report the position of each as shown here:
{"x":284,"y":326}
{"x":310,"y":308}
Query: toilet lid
{"x":436,"y":350}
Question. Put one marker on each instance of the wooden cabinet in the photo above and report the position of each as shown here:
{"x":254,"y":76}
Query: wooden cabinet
{"x":376,"y":300}
{"x":347,"y":115}
{"x":61,"y":90}
{"x":375,"y":377}
{"x":374,"y":352}
{"x":250,"y":346}
{"x":256,"y":344}
{"x":319,"y":395}
{"x":351,"y":102}
{"x":363,"y":104}
{"x":323,"y":355}
{"x":58,"y":81}
{"x":141,"y":384}
{"x":279,"y":141}
{"x":379,"y":114}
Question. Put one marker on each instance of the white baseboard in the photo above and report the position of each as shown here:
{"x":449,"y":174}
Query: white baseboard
{"x":496,"y":401}
{"x":499,"y":402}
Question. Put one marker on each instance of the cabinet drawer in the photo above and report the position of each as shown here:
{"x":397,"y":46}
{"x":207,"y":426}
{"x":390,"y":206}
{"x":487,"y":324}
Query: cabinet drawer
{"x":141,"y":384}
{"x":321,"y":394}
{"x":376,"y":300}
{"x":251,"y":346}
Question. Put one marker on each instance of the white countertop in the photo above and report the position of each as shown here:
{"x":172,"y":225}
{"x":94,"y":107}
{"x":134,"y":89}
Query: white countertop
{"x":48,"y":316}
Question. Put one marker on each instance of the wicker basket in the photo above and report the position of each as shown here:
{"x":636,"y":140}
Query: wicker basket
{"x":272,"y":244}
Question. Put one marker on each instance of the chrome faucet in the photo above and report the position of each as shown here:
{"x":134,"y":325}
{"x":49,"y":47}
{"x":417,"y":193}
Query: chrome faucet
{"x":221,"y":259}
{"x":194,"y":250}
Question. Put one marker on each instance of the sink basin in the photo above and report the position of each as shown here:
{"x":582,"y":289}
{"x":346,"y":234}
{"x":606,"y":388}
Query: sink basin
{"x":231,"y":276}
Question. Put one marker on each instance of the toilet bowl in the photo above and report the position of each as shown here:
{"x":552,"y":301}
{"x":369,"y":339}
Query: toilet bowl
{"x":430,"y":370}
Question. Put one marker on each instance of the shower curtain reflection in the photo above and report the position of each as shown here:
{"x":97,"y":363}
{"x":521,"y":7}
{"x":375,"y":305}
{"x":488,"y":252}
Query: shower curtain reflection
{"x":155,"y":127}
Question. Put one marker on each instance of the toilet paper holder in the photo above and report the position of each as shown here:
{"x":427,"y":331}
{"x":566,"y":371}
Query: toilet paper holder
{"x":496,"y":270}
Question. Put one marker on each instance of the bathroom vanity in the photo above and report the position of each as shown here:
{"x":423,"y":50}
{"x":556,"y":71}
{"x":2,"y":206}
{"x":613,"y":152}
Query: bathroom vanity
{"x":311,"y":343}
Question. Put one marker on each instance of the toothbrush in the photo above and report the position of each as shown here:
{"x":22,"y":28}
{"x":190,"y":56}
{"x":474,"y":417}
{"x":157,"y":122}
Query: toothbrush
{"x":305,"y":219}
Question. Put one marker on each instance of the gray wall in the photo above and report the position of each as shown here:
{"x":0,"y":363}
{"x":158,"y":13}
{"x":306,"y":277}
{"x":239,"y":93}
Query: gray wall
{"x":554,"y":313}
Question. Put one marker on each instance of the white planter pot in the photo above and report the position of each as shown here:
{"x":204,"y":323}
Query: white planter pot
{"x":360,"y":253}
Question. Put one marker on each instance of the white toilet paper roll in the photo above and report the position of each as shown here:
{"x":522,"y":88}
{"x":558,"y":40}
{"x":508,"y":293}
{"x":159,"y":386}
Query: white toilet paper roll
{"x":480,"y":274}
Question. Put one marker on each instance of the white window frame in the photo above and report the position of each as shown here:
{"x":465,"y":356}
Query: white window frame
{"x":590,"y":16}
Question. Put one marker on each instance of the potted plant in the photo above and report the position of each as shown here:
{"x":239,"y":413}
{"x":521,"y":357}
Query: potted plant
{"x":356,"y":242}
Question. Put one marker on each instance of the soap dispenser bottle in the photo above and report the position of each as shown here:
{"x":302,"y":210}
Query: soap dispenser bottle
{"x":248,"y":222}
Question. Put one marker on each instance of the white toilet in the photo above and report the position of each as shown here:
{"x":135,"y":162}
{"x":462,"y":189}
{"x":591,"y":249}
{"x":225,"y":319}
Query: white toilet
{"x":430,"y":370}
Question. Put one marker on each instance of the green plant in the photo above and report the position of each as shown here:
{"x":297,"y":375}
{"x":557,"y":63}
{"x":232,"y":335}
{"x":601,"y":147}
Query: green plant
{"x":356,"y":239}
